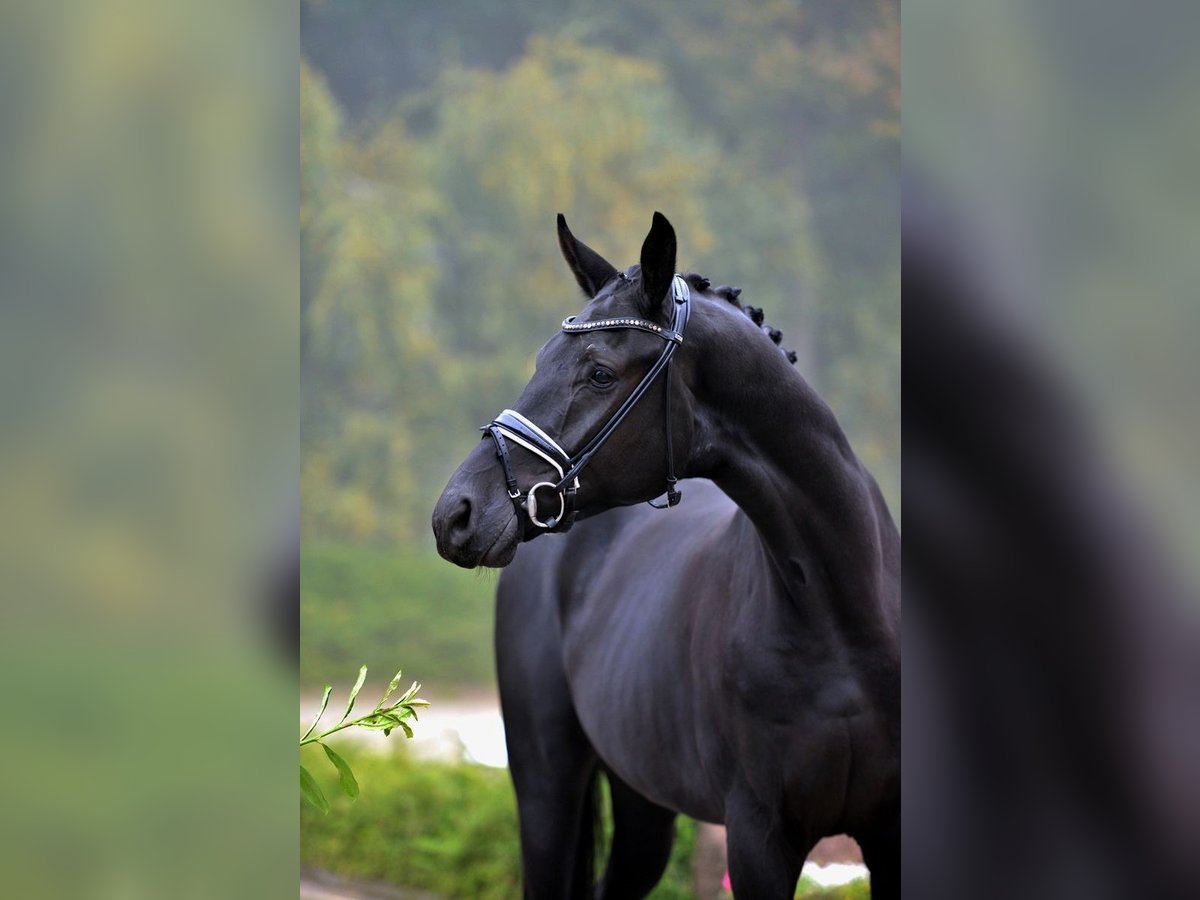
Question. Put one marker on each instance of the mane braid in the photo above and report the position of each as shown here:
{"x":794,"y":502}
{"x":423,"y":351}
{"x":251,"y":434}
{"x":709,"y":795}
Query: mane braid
{"x":731,"y":294}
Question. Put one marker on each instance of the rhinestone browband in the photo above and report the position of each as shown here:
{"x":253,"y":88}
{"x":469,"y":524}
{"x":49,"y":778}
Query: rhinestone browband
{"x":569,"y":324}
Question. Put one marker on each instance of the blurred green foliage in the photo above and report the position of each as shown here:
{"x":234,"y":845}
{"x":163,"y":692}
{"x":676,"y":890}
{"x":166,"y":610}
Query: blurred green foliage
{"x":438,"y":142}
{"x":452,"y":829}
{"x":376,"y":606}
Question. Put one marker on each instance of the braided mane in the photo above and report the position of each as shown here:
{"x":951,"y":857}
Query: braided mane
{"x":731,"y":294}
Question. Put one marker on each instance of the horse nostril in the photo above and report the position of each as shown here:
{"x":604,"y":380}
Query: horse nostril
{"x":452,"y":525}
{"x":460,"y":519}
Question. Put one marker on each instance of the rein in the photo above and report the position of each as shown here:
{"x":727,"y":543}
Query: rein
{"x":510,"y":425}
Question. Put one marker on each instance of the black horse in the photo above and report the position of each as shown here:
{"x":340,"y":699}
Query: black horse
{"x":736,"y":658}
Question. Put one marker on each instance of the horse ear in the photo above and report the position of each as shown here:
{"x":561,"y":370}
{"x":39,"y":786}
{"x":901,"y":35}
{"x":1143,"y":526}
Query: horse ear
{"x":658,"y":263}
{"x":591,"y":270}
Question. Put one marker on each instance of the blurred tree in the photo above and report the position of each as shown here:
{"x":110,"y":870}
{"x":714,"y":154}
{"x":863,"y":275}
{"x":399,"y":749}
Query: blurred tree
{"x":367,"y":338}
{"x":510,"y":149}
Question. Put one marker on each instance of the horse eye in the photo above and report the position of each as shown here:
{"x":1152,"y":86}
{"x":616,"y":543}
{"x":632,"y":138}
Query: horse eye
{"x":602,"y":377}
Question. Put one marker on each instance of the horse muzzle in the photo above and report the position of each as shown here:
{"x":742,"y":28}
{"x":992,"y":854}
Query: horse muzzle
{"x":473,"y":523}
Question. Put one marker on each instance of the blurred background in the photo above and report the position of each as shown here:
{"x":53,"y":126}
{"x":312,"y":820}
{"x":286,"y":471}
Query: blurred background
{"x":148,"y":459}
{"x":438,"y":142}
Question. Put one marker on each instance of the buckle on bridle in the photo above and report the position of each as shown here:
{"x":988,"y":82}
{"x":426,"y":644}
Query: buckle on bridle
{"x":673,"y":495}
{"x":531,"y":505}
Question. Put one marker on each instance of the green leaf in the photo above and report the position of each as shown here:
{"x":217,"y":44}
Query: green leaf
{"x":408,"y":732}
{"x":310,"y":791}
{"x":410,"y":693}
{"x":362,"y":676}
{"x":377,"y":720}
{"x":392,"y":685}
{"x":349,"y":782}
{"x":320,"y":712}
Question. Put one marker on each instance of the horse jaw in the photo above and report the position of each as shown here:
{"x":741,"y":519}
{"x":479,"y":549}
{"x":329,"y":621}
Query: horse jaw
{"x":504,"y":548}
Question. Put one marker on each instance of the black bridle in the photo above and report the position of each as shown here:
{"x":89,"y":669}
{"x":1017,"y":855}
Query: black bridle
{"x":510,"y":425}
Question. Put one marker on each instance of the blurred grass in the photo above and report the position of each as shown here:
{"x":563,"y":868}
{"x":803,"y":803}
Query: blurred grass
{"x":388,"y":609}
{"x":452,"y":829}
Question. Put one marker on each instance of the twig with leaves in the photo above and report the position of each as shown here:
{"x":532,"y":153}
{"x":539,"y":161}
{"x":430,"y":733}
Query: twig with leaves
{"x":382,"y":718}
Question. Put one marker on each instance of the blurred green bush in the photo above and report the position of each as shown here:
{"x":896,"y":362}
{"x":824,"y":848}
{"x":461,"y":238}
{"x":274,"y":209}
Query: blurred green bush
{"x":446,"y":828}
{"x":365,"y":605}
{"x":452,"y":829}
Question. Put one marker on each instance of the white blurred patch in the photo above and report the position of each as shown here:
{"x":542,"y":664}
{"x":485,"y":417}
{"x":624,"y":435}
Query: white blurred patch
{"x":834,"y":874}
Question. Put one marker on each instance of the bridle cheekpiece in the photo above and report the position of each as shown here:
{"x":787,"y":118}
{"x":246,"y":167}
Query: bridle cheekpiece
{"x":510,"y":425}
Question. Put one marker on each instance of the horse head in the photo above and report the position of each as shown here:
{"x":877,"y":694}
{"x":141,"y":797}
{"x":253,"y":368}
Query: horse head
{"x":606,"y":420}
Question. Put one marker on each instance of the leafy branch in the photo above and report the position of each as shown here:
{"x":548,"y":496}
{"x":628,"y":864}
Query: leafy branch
{"x":384,"y":717}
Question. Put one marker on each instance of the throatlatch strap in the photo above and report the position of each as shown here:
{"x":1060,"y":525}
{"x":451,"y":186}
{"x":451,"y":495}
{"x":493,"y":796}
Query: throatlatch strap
{"x":673,"y":495}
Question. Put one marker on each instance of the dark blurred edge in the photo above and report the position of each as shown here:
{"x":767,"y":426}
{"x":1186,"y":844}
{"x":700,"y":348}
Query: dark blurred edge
{"x":1052,"y":657}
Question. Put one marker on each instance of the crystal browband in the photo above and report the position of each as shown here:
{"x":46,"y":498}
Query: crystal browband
{"x":569,"y":324}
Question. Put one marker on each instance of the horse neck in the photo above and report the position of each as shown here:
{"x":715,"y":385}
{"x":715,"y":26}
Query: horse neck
{"x":774,"y":446}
